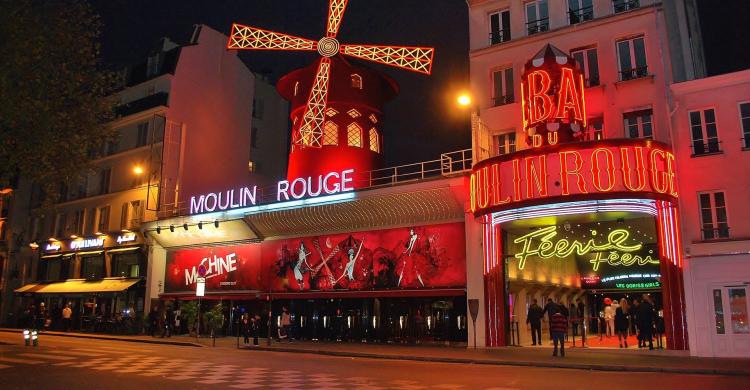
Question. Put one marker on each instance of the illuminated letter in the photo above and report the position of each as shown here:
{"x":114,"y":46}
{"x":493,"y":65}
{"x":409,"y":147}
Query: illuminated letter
{"x":247,"y":196}
{"x":659,"y":179}
{"x":540,"y":104}
{"x":336,"y":187}
{"x":196,"y":207}
{"x":300,"y":194}
{"x":484,"y":197}
{"x":516,"y":180}
{"x":569,"y":97}
{"x":536,"y":177}
{"x":283,"y":188}
{"x":671,"y":175}
{"x":226,"y":204}
{"x":552,"y":138}
{"x":596,"y":170}
{"x":213,"y":206}
{"x":536,"y":141}
{"x":497,"y":187}
{"x":640,"y":169}
{"x":232,"y":204}
{"x":565,"y":171}
{"x":346,"y":178}
{"x":310,"y":186}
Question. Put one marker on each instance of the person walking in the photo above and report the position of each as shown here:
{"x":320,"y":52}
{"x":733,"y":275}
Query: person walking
{"x":67,"y":313}
{"x":646,"y":321}
{"x":549,"y":309}
{"x":254,"y":324}
{"x":245,"y":329}
{"x":168,"y":322}
{"x":621,"y":322}
{"x":153,"y":321}
{"x":609,"y":317}
{"x":286,"y":324}
{"x":534,"y":318}
{"x":559,"y":328}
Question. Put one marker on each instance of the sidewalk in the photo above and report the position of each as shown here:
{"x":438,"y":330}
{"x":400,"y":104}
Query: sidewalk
{"x":576,"y":358}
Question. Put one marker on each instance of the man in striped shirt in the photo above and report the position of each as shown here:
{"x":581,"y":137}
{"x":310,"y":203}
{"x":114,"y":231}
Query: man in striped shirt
{"x":558,"y":325}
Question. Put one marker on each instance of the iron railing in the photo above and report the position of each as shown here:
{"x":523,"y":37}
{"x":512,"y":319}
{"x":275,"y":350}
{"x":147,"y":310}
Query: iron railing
{"x":502,"y":100}
{"x":633,"y":73}
{"x":582,"y":14}
{"x":537,"y":26}
{"x":701,"y":148}
{"x":499,"y":36}
{"x":448,"y":165}
{"x":714,"y":233}
{"x":625,"y":5}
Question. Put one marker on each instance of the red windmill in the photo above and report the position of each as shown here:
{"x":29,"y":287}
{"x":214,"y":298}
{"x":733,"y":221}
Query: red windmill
{"x":315,"y":146}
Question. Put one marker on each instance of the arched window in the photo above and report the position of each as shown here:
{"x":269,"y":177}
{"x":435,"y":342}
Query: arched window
{"x":354,"y":135}
{"x":330,"y":133}
{"x":374,"y":141}
{"x":356,"y":81}
{"x":296,"y":88}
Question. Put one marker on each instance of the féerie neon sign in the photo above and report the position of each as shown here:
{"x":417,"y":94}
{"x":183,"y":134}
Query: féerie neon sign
{"x":539,"y":243}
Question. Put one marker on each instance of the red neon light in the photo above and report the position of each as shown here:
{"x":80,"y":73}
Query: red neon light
{"x":596,"y":169}
{"x":540,"y":104}
{"x":659,"y":178}
{"x":569,"y":98}
{"x":565,"y":171}
{"x":536,"y":175}
{"x":640,"y":169}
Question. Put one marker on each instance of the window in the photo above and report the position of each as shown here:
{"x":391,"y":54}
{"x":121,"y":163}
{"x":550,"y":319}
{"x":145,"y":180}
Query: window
{"x":252,"y":166}
{"x":356,"y":81}
{"x":374,"y":145}
{"x":718,"y":312}
{"x":713,"y":215}
{"x":638,"y":124}
{"x":331,"y":112}
{"x":505,"y":143}
{"x":624,"y":5}
{"x":580,"y":11}
{"x":258,"y":108}
{"x":631,"y":57}
{"x":92,"y":267}
{"x":136,"y":213}
{"x":354,"y":135}
{"x":126,"y":265}
{"x":745,"y":124}
{"x":254,"y":137}
{"x":703,"y":132}
{"x":112,"y":146}
{"x":104,"y":178}
{"x":90,"y":221}
{"x":499,"y":27}
{"x":587,"y":61}
{"x":330,"y":133}
{"x":142,"y":135}
{"x":152,"y":65}
{"x":738,"y":310}
{"x":124,"y":213}
{"x":354,"y":113}
{"x":103,"y":224}
{"x":502,"y":82}
{"x":595,"y":131}
{"x":80,"y":219}
{"x":537,"y":17}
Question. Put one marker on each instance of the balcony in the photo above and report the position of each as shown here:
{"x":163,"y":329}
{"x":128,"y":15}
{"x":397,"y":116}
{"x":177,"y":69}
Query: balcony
{"x":625,"y":5}
{"x":537,"y":26}
{"x":502,"y":100}
{"x":634,"y":73}
{"x":136,"y":106}
{"x":499,"y":36}
{"x":576,"y":16}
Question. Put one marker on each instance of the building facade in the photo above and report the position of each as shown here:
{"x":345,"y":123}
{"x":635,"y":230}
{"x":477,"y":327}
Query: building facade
{"x":88,"y":250}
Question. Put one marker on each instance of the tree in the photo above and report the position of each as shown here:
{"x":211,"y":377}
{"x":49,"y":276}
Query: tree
{"x":55,"y":107}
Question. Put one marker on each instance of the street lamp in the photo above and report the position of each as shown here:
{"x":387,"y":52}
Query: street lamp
{"x":478,"y":129}
{"x":138,"y":170}
{"x":464,"y":100}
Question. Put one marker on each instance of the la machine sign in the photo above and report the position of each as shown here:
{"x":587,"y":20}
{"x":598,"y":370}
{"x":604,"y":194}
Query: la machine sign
{"x":299,"y":188}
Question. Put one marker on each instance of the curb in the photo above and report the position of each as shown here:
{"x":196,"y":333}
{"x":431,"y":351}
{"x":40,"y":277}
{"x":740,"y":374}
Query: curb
{"x":131,"y":340}
{"x":519,"y":363}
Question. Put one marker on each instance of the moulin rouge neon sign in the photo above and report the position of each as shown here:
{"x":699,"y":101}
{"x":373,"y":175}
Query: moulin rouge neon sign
{"x":307,"y":187}
{"x":615,"y":251}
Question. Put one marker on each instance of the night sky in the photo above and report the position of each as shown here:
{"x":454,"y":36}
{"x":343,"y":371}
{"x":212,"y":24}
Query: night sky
{"x":422,"y":122}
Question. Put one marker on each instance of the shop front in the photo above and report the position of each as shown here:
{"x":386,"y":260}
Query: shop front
{"x":101,"y":279}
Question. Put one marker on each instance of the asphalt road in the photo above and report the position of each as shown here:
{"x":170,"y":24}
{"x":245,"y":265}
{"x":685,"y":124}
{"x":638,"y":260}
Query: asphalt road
{"x":72,"y":363}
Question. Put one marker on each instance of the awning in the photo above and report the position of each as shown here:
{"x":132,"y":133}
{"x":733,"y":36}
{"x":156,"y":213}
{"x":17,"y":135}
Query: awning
{"x":78,"y":286}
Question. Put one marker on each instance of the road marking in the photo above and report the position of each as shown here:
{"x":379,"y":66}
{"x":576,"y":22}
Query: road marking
{"x":46,"y":356}
{"x":22,"y":361}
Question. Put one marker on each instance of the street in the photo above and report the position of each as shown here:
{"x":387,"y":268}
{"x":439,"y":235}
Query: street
{"x":64,"y":363}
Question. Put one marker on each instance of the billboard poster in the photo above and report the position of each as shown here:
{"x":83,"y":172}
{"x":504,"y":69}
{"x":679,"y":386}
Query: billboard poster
{"x":227,"y":268}
{"x":419,"y":257}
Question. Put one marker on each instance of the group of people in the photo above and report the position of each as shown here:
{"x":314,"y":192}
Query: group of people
{"x":558,"y":315}
{"x":619,"y":316}
{"x":42,"y":319}
{"x":163,"y":323}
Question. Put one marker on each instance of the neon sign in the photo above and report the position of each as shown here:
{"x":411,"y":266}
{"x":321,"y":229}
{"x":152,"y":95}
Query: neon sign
{"x":552,"y":98}
{"x":84,"y":243}
{"x":539,"y":243}
{"x":52,"y":246}
{"x":602,"y":168}
{"x":127,"y":237}
{"x":307,"y":187}
{"x":210,"y":267}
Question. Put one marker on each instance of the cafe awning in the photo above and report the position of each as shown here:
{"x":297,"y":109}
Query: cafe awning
{"x":78,"y":286}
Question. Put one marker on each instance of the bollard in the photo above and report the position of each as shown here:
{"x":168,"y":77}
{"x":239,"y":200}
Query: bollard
{"x":26,"y":337}
{"x":34,"y":338}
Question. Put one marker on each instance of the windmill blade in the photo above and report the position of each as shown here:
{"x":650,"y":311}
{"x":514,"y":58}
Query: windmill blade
{"x":418,"y":59}
{"x":336,"y":10}
{"x":311,"y":129}
{"x":247,"y":37}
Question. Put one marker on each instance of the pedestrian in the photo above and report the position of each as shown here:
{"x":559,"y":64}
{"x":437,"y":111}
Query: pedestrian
{"x":153,"y":321}
{"x":559,"y":328}
{"x":169,"y":322}
{"x":549,"y":309}
{"x":286,"y":324}
{"x":621,"y":322}
{"x":534,"y":318}
{"x":609,"y":317}
{"x":254,"y":328}
{"x":67,"y":312}
{"x":646,"y":321}
{"x":245,"y":324}
{"x":633,"y":312}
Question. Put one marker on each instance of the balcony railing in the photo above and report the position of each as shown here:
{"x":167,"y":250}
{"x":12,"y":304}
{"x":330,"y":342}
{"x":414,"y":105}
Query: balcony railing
{"x":715,"y":233}
{"x":499,"y":36}
{"x":710,"y":147}
{"x":625,"y":5}
{"x":502,"y":100}
{"x":592,"y":81}
{"x":634,"y":73}
{"x":581,"y":15}
{"x":537,"y":26}
{"x":143,"y":104}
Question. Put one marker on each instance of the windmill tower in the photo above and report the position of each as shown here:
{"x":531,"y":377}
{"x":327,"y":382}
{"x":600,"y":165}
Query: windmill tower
{"x":336,"y":106}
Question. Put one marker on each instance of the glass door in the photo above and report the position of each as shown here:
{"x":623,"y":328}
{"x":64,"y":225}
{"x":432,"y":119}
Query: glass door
{"x":731,"y":320}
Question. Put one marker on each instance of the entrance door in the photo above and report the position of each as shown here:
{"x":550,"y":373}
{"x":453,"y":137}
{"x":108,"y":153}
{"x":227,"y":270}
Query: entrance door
{"x":730,"y":307}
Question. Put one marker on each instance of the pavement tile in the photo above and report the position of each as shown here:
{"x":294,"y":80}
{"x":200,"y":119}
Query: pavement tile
{"x":247,"y":386}
{"x":212,"y":381}
{"x":180,"y":377}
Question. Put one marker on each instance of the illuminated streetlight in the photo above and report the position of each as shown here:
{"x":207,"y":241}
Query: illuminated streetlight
{"x":464,"y":100}
{"x":137,"y":170}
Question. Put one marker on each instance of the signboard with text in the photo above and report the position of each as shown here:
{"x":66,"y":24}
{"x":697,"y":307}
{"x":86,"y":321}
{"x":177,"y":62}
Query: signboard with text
{"x":227,"y":268}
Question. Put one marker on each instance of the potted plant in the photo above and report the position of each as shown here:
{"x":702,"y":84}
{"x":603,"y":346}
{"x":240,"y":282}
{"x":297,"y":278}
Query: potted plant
{"x":189,"y":311}
{"x":215,"y":319}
